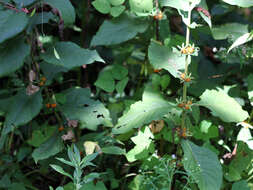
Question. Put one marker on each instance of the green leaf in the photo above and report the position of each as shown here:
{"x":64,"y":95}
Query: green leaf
{"x":49,"y":148}
{"x":241,"y":40}
{"x":116,"y":11}
{"x":24,"y":2}
{"x":165,"y":81}
{"x":206,"y":131}
{"x":250,"y":87}
{"x":203,"y":165}
{"x":113,"y":150}
{"x":11,"y":24}
{"x":240,"y":3}
{"x":179,"y":4}
{"x":206,"y":18}
{"x":41,"y":135}
{"x":140,"y":6}
{"x":116,"y":2}
{"x":22,"y":109}
{"x":234,"y":30}
{"x":240,"y":162}
{"x":244,"y":135}
{"x":241,"y":185}
{"x":152,"y":107}
{"x":99,"y":186}
{"x":106,"y":77}
{"x":128,"y":26}
{"x":12,"y":55}
{"x":103,"y":6}
{"x":105,"y":80}
{"x":60,"y":170}
{"x":143,"y":145}
{"x":162,"y":57}
{"x":70,"y":55}
{"x":121,"y":85}
{"x":79,"y":106}
{"x":223,"y":106}
{"x":67,"y":11}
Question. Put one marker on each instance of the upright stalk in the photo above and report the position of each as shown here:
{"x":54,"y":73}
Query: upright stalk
{"x":187,"y":62}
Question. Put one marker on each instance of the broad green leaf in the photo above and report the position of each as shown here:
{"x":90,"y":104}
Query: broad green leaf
{"x":241,"y":185}
{"x":11,"y":24}
{"x":60,"y":170}
{"x":12,"y":55}
{"x":49,"y":148}
{"x":24,"y":2}
{"x":41,"y":135}
{"x":240,"y":162}
{"x":23,"y":108}
{"x":140,"y":6}
{"x":19,"y":186}
{"x":203,"y":165}
{"x":116,"y":11}
{"x":179,"y":4}
{"x":70,"y":55}
{"x":244,"y":135}
{"x":105,"y":81}
{"x":106,"y":78}
{"x":241,"y":40}
{"x":99,"y":186}
{"x":120,"y":86}
{"x":152,"y":107}
{"x":206,"y":131}
{"x":113,"y":150}
{"x":233,"y":30}
{"x":223,"y":106}
{"x":143,"y":145}
{"x":250,"y":88}
{"x":162,"y":57}
{"x":119,"y":72}
{"x":67,"y":11}
{"x":116,"y":2}
{"x":165,"y":81}
{"x":128,"y":26}
{"x":103,"y":6}
{"x":240,"y":3}
{"x":79,"y":106}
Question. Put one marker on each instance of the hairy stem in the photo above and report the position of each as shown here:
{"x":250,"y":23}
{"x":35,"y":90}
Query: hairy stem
{"x":187,"y":62}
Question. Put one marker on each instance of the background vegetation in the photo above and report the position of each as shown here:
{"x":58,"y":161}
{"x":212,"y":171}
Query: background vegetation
{"x":126,"y":94}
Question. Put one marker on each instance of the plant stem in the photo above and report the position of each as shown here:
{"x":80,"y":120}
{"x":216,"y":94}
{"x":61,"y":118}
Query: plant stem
{"x":187,"y":62}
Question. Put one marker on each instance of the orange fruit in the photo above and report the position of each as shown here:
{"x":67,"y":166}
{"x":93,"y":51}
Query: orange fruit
{"x":53,"y":105}
{"x":61,"y":128}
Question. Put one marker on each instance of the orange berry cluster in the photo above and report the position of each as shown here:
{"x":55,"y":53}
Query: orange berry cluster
{"x":188,"y":50}
{"x":42,"y":81}
{"x":61,"y":128}
{"x":157,"y":70}
{"x":185,"y":78}
{"x":186,"y":106}
{"x":158,"y":16}
{"x":48,"y":105}
{"x":182,"y":132}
